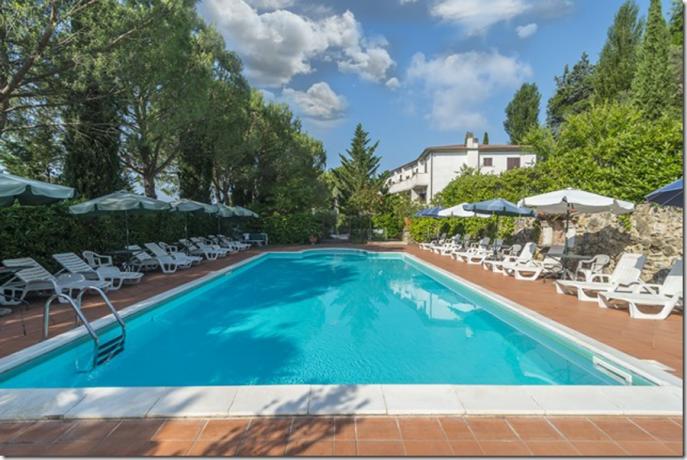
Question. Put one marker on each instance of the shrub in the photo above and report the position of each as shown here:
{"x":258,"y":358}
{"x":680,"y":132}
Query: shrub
{"x":293,"y":228}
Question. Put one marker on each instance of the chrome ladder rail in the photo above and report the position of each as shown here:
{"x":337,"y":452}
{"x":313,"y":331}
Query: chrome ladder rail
{"x":103,"y":352}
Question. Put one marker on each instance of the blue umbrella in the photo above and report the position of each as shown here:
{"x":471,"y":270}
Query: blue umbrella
{"x":499,"y":207}
{"x":670,"y":195}
{"x":429,"y":212}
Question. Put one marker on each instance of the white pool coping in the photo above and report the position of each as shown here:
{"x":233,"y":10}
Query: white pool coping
{"x":235,"y":401}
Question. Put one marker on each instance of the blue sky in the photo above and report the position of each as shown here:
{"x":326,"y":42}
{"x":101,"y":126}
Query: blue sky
{"x":415,"y":73}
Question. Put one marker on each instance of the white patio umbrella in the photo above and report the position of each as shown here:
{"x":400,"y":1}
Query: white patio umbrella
{"x":460,"y":211}
{"x":571,"y":201}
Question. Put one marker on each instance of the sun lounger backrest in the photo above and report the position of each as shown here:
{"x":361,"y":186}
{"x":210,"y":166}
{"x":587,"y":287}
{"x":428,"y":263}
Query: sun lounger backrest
{"x":139,"y":253}
{"x":673,"y":283}
{"x":155,"y":249}
{"x":72,"y":263}
{"x":628,"y":269}
{"x":33,"y":272}
{"x":527,"y":253}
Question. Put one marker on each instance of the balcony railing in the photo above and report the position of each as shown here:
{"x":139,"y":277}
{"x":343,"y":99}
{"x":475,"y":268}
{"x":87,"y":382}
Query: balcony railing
{"x":419,"y":180}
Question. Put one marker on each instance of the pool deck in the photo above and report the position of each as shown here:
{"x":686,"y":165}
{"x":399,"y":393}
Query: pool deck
{"x":661,"y":341}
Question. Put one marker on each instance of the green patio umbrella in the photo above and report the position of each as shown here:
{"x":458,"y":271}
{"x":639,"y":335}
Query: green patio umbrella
{"x":120,"y":202}
{"x":187,"y":207}
{"x":30,"y":192}
{"x":222,"y":210}
{"x":243,"y":212}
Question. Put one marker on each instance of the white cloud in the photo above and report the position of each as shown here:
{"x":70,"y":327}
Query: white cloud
{"x":270,"y":4}
{"x":277,"y":45}
{"x":393,"y":83}
{"x":319,"y":102}
{"x":526,"y":30}
{"x":477,"y":16}
{"x":458,"y":85}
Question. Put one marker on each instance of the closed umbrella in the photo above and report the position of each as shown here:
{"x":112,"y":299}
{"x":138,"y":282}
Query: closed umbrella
{"x":572,"y":201}
{"x":187,"y":207}
{"x":30,"y":192}
{"x":670,"y":195}
{"x":120,"y":202}
{"x":459,"y":211}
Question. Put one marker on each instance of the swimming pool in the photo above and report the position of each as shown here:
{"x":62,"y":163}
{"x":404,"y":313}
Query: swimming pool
{"x":327,"y":317}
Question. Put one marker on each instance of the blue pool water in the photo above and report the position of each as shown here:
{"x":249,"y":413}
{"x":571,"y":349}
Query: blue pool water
{"x":330,"y":317}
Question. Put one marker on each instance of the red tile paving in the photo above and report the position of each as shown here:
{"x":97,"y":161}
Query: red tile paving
{"x":319,"y":436}
{"x":367,"y":436}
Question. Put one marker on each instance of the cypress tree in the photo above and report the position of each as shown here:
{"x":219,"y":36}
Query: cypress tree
{"x":618,"y":60}
{"x":485,"y":138}
{"x":653,"y":88}
{"x":91,"y":143}
{"x":522,"y":113}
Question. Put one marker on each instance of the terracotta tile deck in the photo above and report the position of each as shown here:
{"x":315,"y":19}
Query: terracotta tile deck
{"x":320,"y":436}
{"x":323,"y":436}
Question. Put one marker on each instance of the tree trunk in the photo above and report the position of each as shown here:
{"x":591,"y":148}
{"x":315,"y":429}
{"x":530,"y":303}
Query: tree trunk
{"x":149,"y":186}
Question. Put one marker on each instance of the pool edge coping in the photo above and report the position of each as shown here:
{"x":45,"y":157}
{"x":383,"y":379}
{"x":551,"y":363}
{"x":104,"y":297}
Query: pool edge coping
{"x":661,"y":400}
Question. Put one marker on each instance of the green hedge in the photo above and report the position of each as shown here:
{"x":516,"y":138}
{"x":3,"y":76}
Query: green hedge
{"x":426,"y":228}
{"x":297,"y":228}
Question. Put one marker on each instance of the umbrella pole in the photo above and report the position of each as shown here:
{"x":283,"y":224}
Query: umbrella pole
{"x":186,"y":224}
{"x":126,"y":225}
{"x":565,"y":235}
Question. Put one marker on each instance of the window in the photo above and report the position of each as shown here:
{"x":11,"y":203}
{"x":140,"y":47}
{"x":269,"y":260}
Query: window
{"x":513,"y":163}
{"x":487,"y":162}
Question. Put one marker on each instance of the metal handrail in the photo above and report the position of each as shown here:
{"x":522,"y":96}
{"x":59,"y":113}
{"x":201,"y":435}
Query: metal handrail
{"x":77,"y":310}
{"x":107,"y":302}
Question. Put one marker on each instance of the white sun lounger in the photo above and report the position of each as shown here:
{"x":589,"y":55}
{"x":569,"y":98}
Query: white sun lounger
{"x":75,"y":265}
{"x":480,"y":250}
{"x":625,"y":275}
{"x":195,"y":250}
{"x":534,"y":269}
{"x":668,"y":296}
{"x":182,"y":260}
{"x":525,"y":257}
{"x":34,"y":277}
{"x":206,"y":243}
{"x":142,"y":259}
{"x":173,"y":251}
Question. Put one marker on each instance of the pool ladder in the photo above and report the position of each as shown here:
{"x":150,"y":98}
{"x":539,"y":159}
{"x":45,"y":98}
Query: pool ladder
{"x":103,"y":352}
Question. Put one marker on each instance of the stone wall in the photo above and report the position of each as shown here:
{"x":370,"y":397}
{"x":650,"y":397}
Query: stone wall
{"x":655,"y":231}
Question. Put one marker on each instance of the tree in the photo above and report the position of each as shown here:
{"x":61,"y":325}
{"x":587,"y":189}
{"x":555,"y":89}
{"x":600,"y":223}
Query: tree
{"x":91,"y":143}
{"x":522,"y":112}
{"x":36,"y":153}
{"x":357,"y":180}
{"x":573,"y":93}
{"x":40,"y":53}
{"x":468,"y":135}
{"x":615,"y":70}
{"x":485,"y":138}
{"x":164,"y":82}
{"x":676,"y":56}
{"x":653,"y":87}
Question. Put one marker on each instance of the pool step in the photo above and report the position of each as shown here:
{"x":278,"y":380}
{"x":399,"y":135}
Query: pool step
{"x":108,"y":350}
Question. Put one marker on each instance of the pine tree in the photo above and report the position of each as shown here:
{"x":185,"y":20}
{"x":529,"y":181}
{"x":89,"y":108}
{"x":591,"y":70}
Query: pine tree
{"x":653,"y":88}
{"x":676,"y":56}
{"x":522,"y":113}
{"x":573,"y":93}
{"x":91,"y":143}
{"x":485,"y":138}
{"x":677,"y":23}
{"x":618,"y":60}
{"x":357,"y":180}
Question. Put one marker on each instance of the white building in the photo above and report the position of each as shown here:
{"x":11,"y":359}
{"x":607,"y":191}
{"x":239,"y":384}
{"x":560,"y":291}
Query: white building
{"x":426,"y":176}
